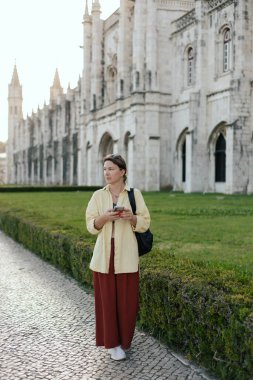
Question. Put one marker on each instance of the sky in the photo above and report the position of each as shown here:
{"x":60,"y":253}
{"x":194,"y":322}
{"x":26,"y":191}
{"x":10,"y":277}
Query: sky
{"x":40,"y":36}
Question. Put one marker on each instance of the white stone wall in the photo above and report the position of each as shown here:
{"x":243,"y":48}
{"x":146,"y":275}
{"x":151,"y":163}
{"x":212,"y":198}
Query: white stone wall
{"x":136,"y":65}
{"x":3,"y":167}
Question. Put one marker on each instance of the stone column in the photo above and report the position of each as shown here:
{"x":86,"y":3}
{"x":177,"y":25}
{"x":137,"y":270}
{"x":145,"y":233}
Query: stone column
{"x":32,"y":176}
{"x":88,"y":166}
{"x":152,"y":177}
{"x":151,"y":46}
{"x":96,"y":68}
{"x":85,"y":104}
{"x":229,"y":159}
{"x":241,"y":95}
{"x":189,"y":163}
{"x":53,"y":171}
{"x":81,"y":158}
{"x":61,"y":169}
{"x":198,"y":101}
{"x":45,"y":170}
{"x":124,"y":49}
{"x":139,"y":37}
{"x":130,"y":163}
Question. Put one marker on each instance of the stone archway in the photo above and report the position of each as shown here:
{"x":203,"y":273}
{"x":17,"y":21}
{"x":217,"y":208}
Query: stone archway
{"x":105,"y":147}
{"x":217,"y":146}
{"x":181,"y":160}
{"x":220,"y":159}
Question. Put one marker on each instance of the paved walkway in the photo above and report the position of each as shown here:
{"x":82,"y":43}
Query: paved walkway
{"x":47,"y":329}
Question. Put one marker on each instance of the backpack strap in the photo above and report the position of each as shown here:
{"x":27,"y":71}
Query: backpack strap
{"x":132,"y":200}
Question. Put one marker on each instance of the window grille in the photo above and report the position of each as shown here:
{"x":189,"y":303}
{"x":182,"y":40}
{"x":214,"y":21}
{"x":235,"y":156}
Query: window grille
{"x":190,"y":66}
{"x":226,"y":50}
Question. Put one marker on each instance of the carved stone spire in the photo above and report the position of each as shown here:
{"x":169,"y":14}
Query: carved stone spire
{"x":56,"y":89}
{"x":57,"y":83}
{"x":86,"y":16}
{"x":96,"y":7}
{"x":15,"y":79}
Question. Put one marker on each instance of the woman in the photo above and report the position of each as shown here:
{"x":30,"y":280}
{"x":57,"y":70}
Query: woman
{"x":115,"y":260}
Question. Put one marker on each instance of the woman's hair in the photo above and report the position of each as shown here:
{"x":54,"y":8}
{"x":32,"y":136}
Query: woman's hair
{"x":118,"y":160}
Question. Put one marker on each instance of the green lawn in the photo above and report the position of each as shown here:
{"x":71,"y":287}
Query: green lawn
{"x":211,"y":227}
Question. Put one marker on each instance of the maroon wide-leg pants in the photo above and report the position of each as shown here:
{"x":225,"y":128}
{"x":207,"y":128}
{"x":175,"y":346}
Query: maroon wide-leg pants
{"x":116,"y":306}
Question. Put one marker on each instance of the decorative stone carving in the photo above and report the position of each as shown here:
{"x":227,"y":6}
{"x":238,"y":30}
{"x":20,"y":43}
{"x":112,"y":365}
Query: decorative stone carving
{"x":185,"y":20}
{"x":175,"y":4}
{"x":219,"y":4}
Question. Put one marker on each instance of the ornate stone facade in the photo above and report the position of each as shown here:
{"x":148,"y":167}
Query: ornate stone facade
{"x":166,"y":83}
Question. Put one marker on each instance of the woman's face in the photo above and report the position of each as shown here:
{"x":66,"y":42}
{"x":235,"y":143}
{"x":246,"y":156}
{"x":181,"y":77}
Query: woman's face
{"x":112,"y":173}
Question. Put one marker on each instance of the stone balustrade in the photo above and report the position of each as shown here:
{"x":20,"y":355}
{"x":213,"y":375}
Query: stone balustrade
{"x":219,"y":4}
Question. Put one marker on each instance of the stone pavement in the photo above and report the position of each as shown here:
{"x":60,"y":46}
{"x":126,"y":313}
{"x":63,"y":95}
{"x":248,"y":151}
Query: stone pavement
{"x":47,"y":329}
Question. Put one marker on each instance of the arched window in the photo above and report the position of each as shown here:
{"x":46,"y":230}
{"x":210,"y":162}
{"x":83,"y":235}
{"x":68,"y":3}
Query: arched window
{"x":226,"y":50}
{"x":106,"y":146}
{"x":36,"y":168}
{"x":184,"y":161}
{"x":181,"y":159}
{"x":190,"y":66}
{"x":220,"y":159}
{"x":49,"y":166}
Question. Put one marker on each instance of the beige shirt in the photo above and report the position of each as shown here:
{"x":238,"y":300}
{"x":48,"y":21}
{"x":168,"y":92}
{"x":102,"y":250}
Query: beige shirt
{"x":126,"y":259}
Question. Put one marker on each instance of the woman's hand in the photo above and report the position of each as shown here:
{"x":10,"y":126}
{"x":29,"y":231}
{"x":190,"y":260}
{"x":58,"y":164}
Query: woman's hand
{"x":112,"y":215}
{"x":128,"y":215}
{"x":108,"y":216}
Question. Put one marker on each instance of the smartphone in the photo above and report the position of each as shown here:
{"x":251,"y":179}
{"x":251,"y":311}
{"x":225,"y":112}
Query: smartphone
{"x":119,"y":208}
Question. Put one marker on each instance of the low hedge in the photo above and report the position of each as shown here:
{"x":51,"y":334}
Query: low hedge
{"x":203,"y":311}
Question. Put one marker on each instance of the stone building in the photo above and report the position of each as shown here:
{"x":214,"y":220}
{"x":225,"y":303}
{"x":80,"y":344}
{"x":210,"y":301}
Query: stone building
{"x":167,"y":83}
{"x":3,"y":168}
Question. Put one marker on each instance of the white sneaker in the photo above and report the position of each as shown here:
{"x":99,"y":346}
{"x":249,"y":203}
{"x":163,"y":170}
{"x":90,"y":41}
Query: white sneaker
{"x":117,"y":353}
